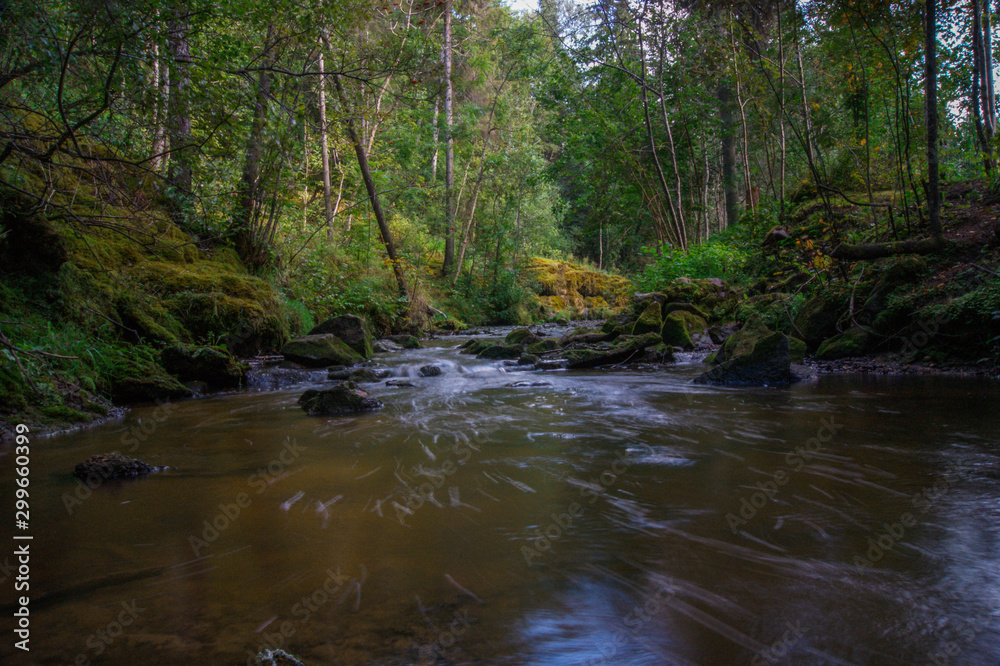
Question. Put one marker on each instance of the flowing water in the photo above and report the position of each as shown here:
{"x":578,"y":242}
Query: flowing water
{"x":488,"y":515}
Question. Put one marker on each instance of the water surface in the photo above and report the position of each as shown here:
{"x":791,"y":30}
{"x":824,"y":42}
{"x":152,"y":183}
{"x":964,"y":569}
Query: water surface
{"x":495,"y":516}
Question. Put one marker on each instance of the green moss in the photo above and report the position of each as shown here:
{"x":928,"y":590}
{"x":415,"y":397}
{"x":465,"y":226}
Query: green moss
{"x":742,"y":341}
{"x":679,"y":327}
{"x":544,"y":345}
{"x":65,"y":414}
{"x":797,"y":349}
{"x":521,"y":336}
{"x":855,"y":341}
{"x":650,"y":321}
{"x":500,"y":351}
{"x":817,"y":319}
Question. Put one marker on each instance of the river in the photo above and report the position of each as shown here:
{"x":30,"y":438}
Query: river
{"x":492,"y":516}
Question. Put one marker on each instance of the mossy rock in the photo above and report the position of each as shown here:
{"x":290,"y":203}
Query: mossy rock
{"x":112,"y":465}
{"x":796,"y":349}
{"x":131,"y":390}
{"x":543,"y":345}
{"x":211,"y":365}
{"x":626,"y":348}
{"x":680,"y":329}
{"x":767,"y":364}
{"x":364,"y":376}
{"x":343,"y":398}
{"x":650,"y":321}
{"x":405,"y":341}
{"x":742,"y":341}
{"x":855,"y":341}
{"x":449,"y":325}
{"x":476,"y":346}
{"x":352,"y":330}
{"x":500,"y":351}
{"x":661,"y":353}
{"x":818,"y":317}
{"x":773,"y":309}
{"x":320,"y":351}
{"x":522,"y":337}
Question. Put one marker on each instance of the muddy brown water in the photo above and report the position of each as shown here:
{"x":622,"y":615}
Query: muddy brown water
{"x":619,"y":517}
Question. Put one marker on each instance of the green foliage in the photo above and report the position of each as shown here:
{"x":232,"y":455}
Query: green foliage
{"x":714,"y":259}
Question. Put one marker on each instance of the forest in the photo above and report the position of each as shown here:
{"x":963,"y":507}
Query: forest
{"x":409,"y":162}
{"x":483,"y":331}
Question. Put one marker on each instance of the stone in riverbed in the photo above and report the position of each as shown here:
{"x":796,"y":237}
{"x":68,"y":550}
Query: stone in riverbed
{"x":343,"y":398}
{"x":112,"y":466}
{"x":320,"y":351}
{"x":405,"y":341}
{"x":768,"y":363}
{"x":350,"y":329}
{"x":430,"y":371}
{"x":211,"y":365}
{"x":500,"y":351}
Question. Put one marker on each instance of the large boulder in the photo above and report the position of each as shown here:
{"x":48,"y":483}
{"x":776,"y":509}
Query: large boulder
{"x":351,"y":329}
{"x":320,"y":351}
{"x":112,"y":466}
{"x":522,"y":337}
{"x":342,"y":398}
{"x":768,"y":363}
{"x":683,"y":329}
{"x":817,"y":319}
{"x":650,"y":321}
{"x":742,"y":341}
{"x":211,"y":365}
{"x":158,"y":386}
{"x":855,"y":341}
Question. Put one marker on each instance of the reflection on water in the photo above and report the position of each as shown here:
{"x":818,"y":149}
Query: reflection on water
{"x":493,"y":516}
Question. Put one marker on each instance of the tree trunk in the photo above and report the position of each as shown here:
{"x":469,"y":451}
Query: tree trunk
{"x":449,"y":154}
{"x":161,"y":90}
{"x":325,"y":150}
{"x":179,"y":116}
{"x":366,"y":175}
{"x":728,"y":155}
{"x":248,"y":203}
{"x":930,"y":82}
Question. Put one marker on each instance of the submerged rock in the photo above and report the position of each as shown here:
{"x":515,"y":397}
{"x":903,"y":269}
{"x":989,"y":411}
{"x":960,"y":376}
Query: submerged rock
{"x":400,"y":383}
{"x":343,"y":398}
{"x":320,"y":351}
{"x":112,"y":466}
{"x":351,"y":329}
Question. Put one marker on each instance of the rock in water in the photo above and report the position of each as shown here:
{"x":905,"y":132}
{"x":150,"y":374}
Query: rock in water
{"x":342,"y":398}
{"x":211,"y":365}
{"x":112,"y":466}
{"x":430,"y":371}
{"x":351,"y":329}
{"x":320,"y":351}
{"x":768,"y":363}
